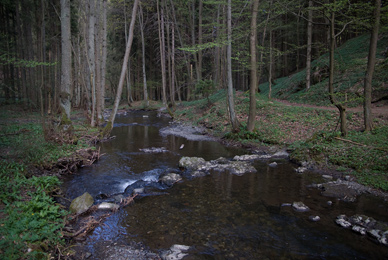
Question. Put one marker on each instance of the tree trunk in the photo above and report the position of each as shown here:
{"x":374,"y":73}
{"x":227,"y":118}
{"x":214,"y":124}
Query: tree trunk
{"x":145,"y":91}
{"x":162,"y":51}
{"x":91,"y":58}
{"x":109,"y":126}
{"x":172,"y":63}
{"x":104,"y":53}
{"x":270,"y":69}
{"x":98,"y":62}
{"x":66,"y":63}
{"x":253,"y":68}
{"x":309,"y":44}
{"x":333,"y":99}
{"x":200,"y":41}
{"x":232,"y":114}
{"x":371,"y":67}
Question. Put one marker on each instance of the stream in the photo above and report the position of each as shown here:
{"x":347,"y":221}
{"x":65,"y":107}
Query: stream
{"x":219,"y":216}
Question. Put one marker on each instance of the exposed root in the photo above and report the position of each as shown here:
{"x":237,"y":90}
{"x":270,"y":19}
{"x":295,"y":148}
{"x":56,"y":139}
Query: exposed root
{"x":81,"y":158}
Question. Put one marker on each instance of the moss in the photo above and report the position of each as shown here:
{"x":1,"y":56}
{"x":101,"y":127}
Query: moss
{"x":105,"y":132}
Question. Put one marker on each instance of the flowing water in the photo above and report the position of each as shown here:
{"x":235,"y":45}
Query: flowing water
{"x":220,"y":216}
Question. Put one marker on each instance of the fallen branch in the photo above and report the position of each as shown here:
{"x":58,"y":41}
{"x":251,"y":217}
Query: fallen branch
{"x":359,"y":144}
{"x":125,"y":202}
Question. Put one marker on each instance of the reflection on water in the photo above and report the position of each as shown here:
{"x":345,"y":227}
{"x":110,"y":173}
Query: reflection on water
{"x":220,"y":216}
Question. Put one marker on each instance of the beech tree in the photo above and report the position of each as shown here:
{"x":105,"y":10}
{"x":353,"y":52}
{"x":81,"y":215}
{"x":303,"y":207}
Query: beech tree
{"x":253,"y":72}
{"x":232,"y":113}
{"x":65,"y":94}
{"x":371,"y":66}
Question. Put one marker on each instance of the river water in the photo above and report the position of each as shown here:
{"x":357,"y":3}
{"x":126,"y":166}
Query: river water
{"x":220,"y":216}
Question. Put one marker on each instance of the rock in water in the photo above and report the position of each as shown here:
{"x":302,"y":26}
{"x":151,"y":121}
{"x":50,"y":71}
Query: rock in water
{"x":82,"y":203}
{"x":170,"y":178}
{"x":176,"y":252}
{"x":108,"y":206}
{"x":191,"y":163}
{"x":300,"y":206}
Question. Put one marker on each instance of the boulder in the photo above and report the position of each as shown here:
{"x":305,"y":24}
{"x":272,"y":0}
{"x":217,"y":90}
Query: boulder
{"x":82,"y":203}
{"x":170,"y":178}
{"x":191,"y":163}
{"x":200,"y":167}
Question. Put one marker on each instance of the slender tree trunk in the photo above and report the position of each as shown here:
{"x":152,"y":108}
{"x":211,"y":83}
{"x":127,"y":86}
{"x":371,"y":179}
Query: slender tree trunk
{"x":253,"y":68}
{"x":270,"y":69}
{"x":232,"y":113}
{"x":162,"y":51}
{"x":98,"y":62}
{"x":145,"y":91}
{"x":309,"y":44}
{"x":128,"y":77}
{"x":217,"y":52}
{"x":109,"y":126}
{"x":91,"y":57}
{"x":341,"y":107}
{"x":173,"y":63}
{"x":262,"y":45}
{"x":104,"y":53}
{"x":200,"y":41}
{"x":371,"y":67}
{"x":66,"y":62}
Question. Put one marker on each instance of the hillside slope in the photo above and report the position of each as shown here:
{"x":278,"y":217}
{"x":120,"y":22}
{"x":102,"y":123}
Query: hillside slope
{"x":350,"y":66}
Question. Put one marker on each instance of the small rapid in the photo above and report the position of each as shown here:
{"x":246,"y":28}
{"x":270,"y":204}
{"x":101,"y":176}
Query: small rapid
{"x":218,"y":216}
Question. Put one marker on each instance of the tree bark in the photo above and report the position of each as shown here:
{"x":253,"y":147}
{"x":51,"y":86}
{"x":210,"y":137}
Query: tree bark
{"x":309,"y":44}
{"x":109,"y":126}
{"x":91,"y":58}
{"x":253,"y":68}
{"x":333,"y":99}
{"x":66,"y":62}
{"x":232,"y":113}
{"x":370,"y":68}
{"x":145,"y":91}
{"x":162,"y":51}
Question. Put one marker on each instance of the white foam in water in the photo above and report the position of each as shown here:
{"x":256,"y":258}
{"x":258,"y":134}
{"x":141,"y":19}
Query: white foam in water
{"x":150,"y":178}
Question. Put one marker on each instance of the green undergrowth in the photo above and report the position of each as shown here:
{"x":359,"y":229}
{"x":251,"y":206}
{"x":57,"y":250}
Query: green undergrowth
{"x":311,"y":133}
{"x":350,"y":65}
{"x":30,"y":220}
{"x":365,"y":155}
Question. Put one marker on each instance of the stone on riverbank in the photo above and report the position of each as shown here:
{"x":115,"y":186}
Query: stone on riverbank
{"x":82,"y":203}
{"x":200,"y":167}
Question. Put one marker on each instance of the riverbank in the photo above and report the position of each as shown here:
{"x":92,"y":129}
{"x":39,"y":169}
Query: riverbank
{"x":33,"y":156}
{"x":309,"y":133}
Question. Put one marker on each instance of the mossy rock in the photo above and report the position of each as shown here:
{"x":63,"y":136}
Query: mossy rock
{"x":81,"y":204}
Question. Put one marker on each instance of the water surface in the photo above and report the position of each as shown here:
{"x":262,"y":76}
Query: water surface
{"x":220,"y":216}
